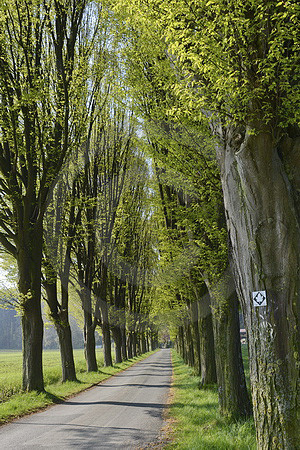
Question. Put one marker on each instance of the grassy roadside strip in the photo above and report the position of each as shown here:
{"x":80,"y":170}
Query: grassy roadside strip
{"x":23,"y":403}
{"x":195,"y":420}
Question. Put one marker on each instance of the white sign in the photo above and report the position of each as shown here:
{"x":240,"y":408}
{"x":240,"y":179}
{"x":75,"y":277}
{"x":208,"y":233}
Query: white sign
{"x":259,"y":298}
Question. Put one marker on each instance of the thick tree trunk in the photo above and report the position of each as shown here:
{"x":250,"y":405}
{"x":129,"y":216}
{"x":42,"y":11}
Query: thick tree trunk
{"x":134,"y":344}
{"x":130,"y":345}
{"x":143,"y":342}
{"x":32,"y":339}
{"x":90,"y":343}
{"x":264,"y":232}
{"x":60,"y":319}
{"x":63,"y":330}
{"x":233,"y":395}
{"x":117,"y":336}
{"x":106,"y":334}
{"x":65,"y":335}
{"x":29,"y":259}
{"x":181,"y":343}
{"x":119,"y":328}
{"x":89,"y":331}
{"x":207,"y":344}
{"x":189,"y":344}
{"x":124,"y":345}
{"x":196,"y":336}
{"x":153,"y":340}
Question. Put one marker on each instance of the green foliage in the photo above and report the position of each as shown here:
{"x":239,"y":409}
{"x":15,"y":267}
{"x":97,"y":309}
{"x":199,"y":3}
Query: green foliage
{"x":236,"y":61}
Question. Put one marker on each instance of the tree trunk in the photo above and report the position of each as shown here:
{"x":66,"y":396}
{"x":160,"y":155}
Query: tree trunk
{"x":124,"y":346}
{"x":207,"y":344}
{"x":117,"y":336}
{"x":29,"y":259}
{"x":89,"y":343}
{"x":181,"y":343}
{"x":63,"y":330}
{"x":106,"y":334}
{"x":189,"y":344}
{"x":89,"y":331}
{"x":153,"y":340}
{"x":60,"y":319}
{"x":130,"y":345}
{"x":32,"y":340}
{"x":120,"y":320}
{"x":143,"y":342}
{"x":196,"y":337}
{"x":264,"y":231}
{"x":233,"y":395}
{"x":134,"y":344}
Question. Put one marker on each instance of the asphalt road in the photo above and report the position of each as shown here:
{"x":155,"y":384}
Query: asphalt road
{"x":124,"y":411}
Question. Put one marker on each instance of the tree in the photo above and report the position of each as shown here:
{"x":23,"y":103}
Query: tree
{"x":60,"y":229}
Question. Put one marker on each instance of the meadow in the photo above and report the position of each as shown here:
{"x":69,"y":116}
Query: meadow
{"x":15,"y":403}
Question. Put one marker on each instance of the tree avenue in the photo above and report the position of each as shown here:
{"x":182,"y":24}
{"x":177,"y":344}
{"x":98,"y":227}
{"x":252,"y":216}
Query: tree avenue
{"x":237,"y":66}
{"x":150,"y":160}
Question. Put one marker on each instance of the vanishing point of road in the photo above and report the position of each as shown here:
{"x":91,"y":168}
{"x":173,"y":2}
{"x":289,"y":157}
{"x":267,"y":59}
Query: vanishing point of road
{"x":124,"y":411}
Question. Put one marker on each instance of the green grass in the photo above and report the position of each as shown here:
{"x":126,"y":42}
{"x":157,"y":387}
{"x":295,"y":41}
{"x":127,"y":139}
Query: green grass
{"x":198,"y":424}
{"x":14,"y":402}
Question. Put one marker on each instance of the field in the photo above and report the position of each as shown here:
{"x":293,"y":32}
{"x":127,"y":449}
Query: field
{"x":14,"y":402}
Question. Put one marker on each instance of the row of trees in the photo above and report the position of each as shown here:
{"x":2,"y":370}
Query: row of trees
{"x":219,"y":90}
{"x":73,"y":183}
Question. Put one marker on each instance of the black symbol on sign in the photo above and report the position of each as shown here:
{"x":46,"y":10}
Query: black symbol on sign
{"x":259,"y":298}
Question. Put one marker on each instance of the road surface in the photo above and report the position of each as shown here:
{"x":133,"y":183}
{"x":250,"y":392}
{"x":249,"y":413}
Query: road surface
{"x":124,"y":411}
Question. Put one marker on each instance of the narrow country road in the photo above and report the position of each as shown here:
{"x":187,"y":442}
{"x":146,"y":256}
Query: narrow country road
{"x":124,"y":411}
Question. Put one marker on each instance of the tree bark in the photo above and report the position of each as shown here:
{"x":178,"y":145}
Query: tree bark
{"x":207,"y":344}
{"x":129,"y":345}
{"x":32,"y":342}
{"x":153,"y":340}
{"x":64,"y":333}
{"x":134,"y":343}
{"x":106,"y":334}
{"x":181,"y":343}
{"x":117,"y":336}
{"x":189,"y":343}
{"x":263,"y":223}
{"x":119,"y":320}
{"x":143,"y":342}
{"x":29,"y":261}
{"x":234,"y":400}
{"x":193,"y":307}
{"x":60,"y":319}
{"x":124,"y":342}
{"x":89,"y":331}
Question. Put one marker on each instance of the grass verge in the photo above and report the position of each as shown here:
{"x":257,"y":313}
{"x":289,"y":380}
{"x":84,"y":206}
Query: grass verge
{"x":196,"y":422}
{"x":15,"y":403}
